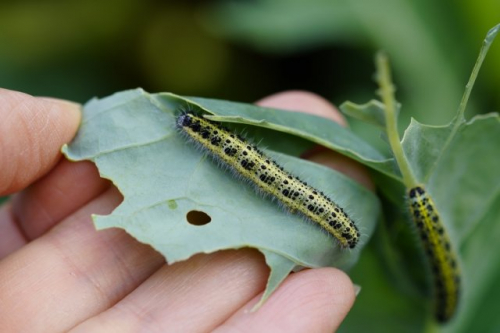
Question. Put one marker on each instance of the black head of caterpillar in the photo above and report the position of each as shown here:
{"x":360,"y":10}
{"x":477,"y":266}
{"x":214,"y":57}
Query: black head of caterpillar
{"x":267,"y":177}
{"x":441,"y":257}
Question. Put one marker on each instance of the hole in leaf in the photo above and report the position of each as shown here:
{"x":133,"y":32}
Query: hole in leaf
{"x":195,"y":217}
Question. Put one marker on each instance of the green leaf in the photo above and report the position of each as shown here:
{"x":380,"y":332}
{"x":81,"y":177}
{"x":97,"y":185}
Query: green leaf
{"x":480,"y":259}
{"x":458,"y":164}
{"x":132,"y":138}
{"x":313,"y":128}
{"x":371,"y":112}
{"x":460,"y":167}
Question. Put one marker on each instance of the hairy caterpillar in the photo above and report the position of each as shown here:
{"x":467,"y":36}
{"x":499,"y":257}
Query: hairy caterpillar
{"x":442,"y":258}
{"x":269,"y":178}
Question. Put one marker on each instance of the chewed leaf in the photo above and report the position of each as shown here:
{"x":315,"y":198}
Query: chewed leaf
{"x":133,"y":140}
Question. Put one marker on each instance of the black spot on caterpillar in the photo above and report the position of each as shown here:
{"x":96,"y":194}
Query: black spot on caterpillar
{"x":441,"y":257}
{"x":247,"y":161}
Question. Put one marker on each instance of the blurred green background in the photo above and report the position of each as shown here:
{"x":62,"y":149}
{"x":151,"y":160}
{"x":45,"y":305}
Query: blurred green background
{"x":244,"y":50}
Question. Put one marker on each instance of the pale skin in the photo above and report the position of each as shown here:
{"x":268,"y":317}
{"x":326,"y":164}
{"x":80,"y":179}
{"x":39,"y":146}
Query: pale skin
{"x":58,"y":274}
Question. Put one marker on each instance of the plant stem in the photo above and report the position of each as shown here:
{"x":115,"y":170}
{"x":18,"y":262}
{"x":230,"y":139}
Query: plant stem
{"x":387,"y":94}
{"x":490,"y":36}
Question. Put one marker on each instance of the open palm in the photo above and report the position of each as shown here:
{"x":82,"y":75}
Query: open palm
{"x":57,"y":273}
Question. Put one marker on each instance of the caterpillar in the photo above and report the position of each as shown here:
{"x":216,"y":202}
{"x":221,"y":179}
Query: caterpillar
{"x":442,"y":259}
{"x":249,"y":162}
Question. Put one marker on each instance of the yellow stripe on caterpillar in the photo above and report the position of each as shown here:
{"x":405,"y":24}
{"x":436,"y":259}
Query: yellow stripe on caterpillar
{"x":268,"y":177}
{"x":441,"y":257}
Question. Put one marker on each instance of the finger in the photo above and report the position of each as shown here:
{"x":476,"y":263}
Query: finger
{"x":303,"y":101}
{"x":46,"y":202}
{"x":190,"y":296}
{"x":313,"y":104}
{"x":11,"y":238}
{"x":315,"y":300}
{"x":32,"y":132}
{"x":342,"y":164}
{"x":72,"y":272}
{"x":66,"y":188}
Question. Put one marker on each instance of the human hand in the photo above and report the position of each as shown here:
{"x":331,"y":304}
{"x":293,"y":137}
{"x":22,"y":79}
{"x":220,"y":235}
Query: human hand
{"x":57,"y":273}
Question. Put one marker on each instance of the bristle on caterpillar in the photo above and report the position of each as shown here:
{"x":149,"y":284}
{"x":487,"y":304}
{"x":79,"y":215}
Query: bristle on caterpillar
{"x":269,"y":178}
{"x":441,"y":257}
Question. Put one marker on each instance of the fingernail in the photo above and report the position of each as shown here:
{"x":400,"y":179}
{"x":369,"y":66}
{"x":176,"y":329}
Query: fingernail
{"x":357,"y":289}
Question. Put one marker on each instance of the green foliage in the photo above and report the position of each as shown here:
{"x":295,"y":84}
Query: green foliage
{"x":458,"y":166}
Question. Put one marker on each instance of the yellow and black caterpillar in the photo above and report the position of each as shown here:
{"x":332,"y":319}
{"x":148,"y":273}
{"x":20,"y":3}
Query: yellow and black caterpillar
{"x":442,"y":259}
{"x":247,"y":161}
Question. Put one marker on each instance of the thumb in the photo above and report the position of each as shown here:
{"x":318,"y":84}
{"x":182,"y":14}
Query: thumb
{"x":32,"y":131}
